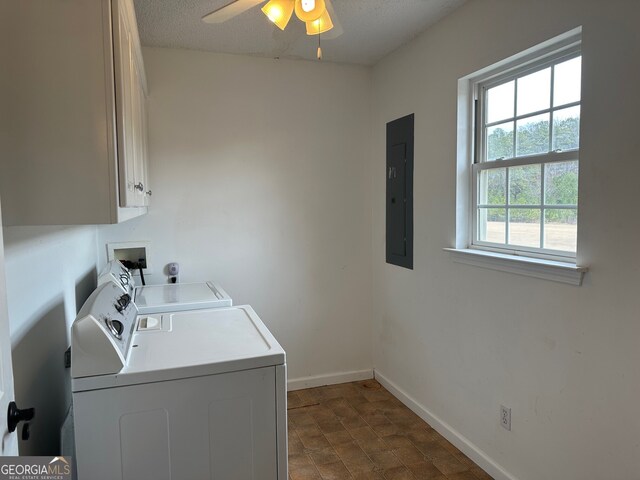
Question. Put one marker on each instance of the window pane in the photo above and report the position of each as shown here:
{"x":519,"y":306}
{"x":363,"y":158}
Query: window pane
{"x":532,"y":135}
{"x":525,"y":186}
{"x":566,"y":128}
{"x":493,"y":187}
{"x":561,"y":229}
{"x":561,"y":183}
{"x":524,"y":227}
{"x":491,"y":225}
{"x":566,"y":82}
{"x":534,"y":92}
{"x":500,"y":102}
{"x":500,"y":141}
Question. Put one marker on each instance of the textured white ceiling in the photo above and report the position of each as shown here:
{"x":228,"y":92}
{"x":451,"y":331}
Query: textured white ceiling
{"x":372,"y":28}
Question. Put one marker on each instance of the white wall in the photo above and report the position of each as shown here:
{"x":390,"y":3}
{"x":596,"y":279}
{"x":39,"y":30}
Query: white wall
{"x":50,"y":272}
{"x":261,"y":181}
{"x":460,"y":340}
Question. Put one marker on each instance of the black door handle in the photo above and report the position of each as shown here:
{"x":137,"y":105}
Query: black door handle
{"x":15,"y":416}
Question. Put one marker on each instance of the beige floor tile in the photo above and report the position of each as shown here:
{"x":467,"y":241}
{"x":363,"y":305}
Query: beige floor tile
{"x":295,"y":445}
{"x":307,"y":472}
{"x":398,"y":473}
{"x":339,"y":438}
{"x":462,"y":476}
{"x":324,"y":456}
{"x":409,"y":455}
{"x":299,"y":418}
{"x":398,"y":441}
{"x":360,"y":431}
{"x":376,"y":419}
{"x":374,"y":445}
{"x":480,"y":474}
{"x":386,"y":429}
{"x":314,"y":442}
{"x":463,"y":458}
{"x":351,"y":423}
{"x":362,"y":466}
{"x":363,"y":434}
{"x":425,"y":471}
{"x":352,"y":454}
{"x":299,"y":460}
{"x":432,"y":449}
{"x":334,"y":471}
{"x":420,"y":435}
{"x":368,"y":476}
{"x":331,"y":425}
{"x":449,"y":465}
{"x":385,"y":459}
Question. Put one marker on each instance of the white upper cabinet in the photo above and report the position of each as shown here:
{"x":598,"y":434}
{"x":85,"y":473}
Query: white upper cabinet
{"x":130,"y":108}
{"x":73,"y":139}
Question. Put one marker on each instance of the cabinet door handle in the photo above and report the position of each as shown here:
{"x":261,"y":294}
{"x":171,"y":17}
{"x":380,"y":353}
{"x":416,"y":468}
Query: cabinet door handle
{"x":149,"y":192}
{"x":139,"y":186}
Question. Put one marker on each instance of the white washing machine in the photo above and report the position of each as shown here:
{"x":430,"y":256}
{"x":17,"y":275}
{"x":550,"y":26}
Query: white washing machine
{"x":197,"y":394}
{"x":165,"y":298}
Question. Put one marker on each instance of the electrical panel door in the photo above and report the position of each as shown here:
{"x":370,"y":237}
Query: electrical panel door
{"x":399,"y":177}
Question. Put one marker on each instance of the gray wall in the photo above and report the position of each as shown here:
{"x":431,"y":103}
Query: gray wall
{"x":461,"y":340}
{"x":50,"y":272}
{"x":261,"y":181}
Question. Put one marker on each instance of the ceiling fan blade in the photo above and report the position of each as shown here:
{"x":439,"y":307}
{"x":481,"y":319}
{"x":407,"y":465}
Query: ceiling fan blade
{"x":230,"y":10}
{"x":337,"y":30}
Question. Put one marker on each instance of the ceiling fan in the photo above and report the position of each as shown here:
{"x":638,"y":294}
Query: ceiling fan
{"x":318,"y":15}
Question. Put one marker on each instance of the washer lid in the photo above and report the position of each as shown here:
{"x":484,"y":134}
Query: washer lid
{"x":192,"y":344}
{"x":179,"y":297}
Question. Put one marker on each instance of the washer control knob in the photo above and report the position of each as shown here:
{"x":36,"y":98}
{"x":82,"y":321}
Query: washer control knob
{"x":115,"y":327}
{"x":122,"y":302}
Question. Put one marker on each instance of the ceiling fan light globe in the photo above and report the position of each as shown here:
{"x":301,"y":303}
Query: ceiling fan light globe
{"x":321,"y":25}
{"x":279,"y":12}
{"x":308,"y":5}
{"x":309,"y":16}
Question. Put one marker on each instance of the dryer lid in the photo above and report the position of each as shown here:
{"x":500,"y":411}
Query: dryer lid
{"x":179,"y":297}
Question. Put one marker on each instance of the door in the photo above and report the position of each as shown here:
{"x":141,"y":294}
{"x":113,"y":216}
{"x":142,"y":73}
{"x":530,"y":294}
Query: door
{"x":9,"y":444}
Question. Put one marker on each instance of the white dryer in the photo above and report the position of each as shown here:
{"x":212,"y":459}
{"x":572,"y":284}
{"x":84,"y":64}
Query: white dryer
{"x":197,"y":394}
{"x":165,"y":298}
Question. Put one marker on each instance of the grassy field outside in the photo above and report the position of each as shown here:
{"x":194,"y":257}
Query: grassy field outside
{"x":558,"y":236}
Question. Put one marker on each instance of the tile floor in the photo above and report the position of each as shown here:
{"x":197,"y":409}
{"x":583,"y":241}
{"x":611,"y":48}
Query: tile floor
{"x":360,"y":431}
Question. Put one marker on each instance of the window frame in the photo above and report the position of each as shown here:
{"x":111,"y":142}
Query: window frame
{"x":479,"y":87}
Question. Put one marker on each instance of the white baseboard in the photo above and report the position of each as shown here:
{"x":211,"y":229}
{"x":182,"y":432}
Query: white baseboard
{"x":447,"y":431}
{"x":328,"y":379}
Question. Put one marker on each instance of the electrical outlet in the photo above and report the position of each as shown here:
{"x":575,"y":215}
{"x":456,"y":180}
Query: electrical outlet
{"x":505,"y":417}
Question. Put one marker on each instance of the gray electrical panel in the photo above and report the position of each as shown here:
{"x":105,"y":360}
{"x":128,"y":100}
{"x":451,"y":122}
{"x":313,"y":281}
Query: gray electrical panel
{"x":399,"y":175}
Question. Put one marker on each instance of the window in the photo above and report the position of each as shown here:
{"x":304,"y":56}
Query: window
{"x":526,"y":157}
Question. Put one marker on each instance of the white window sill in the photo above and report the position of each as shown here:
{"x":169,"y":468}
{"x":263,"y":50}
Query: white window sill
{"x":532,"y":267}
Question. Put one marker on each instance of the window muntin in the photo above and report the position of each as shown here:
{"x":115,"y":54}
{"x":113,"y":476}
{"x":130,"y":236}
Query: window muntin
{"x":525,"y":176}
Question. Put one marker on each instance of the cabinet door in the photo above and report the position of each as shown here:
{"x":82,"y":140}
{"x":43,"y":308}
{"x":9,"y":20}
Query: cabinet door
{"x":129,"y":103}
{"x":141,"y":181}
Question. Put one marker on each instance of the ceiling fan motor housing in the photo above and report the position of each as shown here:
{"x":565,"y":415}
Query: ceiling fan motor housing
{"x":309,"y":10}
